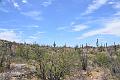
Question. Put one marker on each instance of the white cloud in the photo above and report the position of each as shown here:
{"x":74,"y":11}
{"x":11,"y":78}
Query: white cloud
{"x":116,"y":5}
{"x":47,"y":3}
{"x":72,"y":23}
{"x":24,"y":1}
{"x":10,"y":35}
{"x":96,"y":4}
{"x":61,"y":28}
{"x":117,"y":13}
{"x":35,"y":37}
{"x":79,"y":27}
{"x":2,"y":29}
{"x":73,"y":27}
{"x":33,"y":14}
{"x":18,"y":36}
{"x":15,"y":4}
{"x":33,"y":26}
{"x":111,"y":2}
{"x":110,"y":28}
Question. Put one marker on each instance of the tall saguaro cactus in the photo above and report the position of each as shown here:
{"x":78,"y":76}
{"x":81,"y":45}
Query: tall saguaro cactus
{"x":54,"y":44}
{"x":97,"y":43}
{"x":106,"y":45}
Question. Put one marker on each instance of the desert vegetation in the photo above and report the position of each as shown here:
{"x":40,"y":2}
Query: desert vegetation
{"x":22,"y":61}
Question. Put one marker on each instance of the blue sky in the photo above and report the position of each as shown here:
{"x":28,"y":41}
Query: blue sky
{"x":64,"y":21}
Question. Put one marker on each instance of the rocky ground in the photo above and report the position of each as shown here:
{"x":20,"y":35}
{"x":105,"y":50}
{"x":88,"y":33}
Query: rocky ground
{"x":94,"y":74}
{"x":18,"y":72}
{"x":26,"y":72}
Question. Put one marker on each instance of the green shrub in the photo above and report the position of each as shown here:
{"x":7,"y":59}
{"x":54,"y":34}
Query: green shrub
{"x":102,"y":59}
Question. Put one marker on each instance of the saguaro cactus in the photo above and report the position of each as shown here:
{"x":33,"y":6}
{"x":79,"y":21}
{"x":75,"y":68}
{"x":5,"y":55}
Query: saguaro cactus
{"x":106,"y":45}
{"x":115,"y":47}
{"x":97,"y":43}
{"x":76,"y":47}
{"x":54,"y":44}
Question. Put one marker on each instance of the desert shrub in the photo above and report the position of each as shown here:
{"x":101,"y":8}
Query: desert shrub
{"x":102,"y":59}
{"x":55,"y":65}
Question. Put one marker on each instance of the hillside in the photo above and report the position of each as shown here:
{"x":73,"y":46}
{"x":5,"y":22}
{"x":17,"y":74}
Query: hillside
{"x":21,"y":61}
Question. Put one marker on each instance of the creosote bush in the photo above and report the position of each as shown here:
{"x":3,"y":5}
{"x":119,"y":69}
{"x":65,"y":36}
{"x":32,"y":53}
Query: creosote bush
{"x":102,"y":59}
